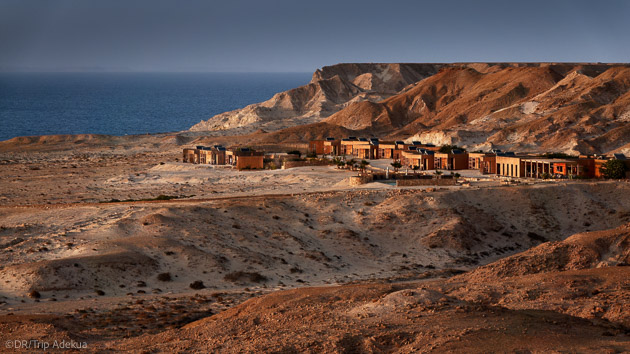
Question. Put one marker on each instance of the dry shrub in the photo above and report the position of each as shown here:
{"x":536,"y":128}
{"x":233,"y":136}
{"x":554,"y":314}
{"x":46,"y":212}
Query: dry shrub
{"x":244,"y":276}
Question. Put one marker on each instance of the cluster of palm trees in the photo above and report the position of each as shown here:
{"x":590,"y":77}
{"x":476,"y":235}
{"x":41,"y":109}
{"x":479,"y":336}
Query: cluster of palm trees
{"x":397,"y":165}
{"x":352,"y":164}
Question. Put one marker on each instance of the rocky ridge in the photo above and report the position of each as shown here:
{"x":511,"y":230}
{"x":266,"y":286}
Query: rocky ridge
{"x":568,"y":107}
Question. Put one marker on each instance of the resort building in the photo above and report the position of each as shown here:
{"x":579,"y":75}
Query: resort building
{"x":366,"y":149}
{"x":245,"y":158}
{"x":316,"y":147}
{"x":386,"y":150}
{"x":485,"y":162}
{"x":546,"y":168}
{"x":420,"y":157}
{"x":346,"y":145}
{"x":214,"y":155}
{"x":332,"y":146}
{"x":455,"y":160}
{"x":599,"y":161}
{"x":509,"y":165}
{"x":191,"y":155}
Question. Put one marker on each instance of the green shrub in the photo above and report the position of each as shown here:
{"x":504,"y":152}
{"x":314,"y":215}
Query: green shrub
{"x":241,"y":276}
{"x":295,"y":152}
{"x":614,"y":169}
{"x":447,"y":149}
{"x":164,"y":277}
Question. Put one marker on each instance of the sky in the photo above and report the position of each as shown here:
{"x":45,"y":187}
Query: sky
{"x":301,"y":36}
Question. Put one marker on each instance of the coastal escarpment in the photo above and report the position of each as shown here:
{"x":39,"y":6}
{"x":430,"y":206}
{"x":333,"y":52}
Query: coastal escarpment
{"x":331,"y":89}
{"x":563,"y":107}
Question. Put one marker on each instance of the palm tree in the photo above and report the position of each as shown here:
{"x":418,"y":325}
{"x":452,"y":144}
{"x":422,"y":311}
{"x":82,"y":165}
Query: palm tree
{"x":364,"y":165}
{"x":415,"y":168}
{"x":396,"y":165}
{"x":438,"y":173}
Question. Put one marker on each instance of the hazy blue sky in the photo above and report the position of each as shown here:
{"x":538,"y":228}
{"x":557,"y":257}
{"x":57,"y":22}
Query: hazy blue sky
{"x":283,"y":35}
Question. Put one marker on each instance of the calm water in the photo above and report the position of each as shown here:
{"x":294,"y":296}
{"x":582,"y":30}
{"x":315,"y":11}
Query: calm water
{"x":119,"y":104}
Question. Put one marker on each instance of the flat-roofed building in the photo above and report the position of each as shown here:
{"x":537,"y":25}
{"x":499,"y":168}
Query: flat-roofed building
{"x":386,"y":149}
{"x":365,"y":149}
{"x":214,"y":155}
{"x":316,"y":147}
{"x":539,"y":167}
{"x":485,"y":162}
{"x":190,"y":155}
{"x":599,"y":161}
{"x":420,"y":157}
{"x":455,"y":160}
{"x":346,"y":145}
{"x":509,"y":165}
{"x":245,"y":158}
{"x":332,"y":146}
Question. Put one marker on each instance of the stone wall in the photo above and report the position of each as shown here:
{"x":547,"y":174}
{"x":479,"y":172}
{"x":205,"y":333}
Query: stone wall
{"x":426,"y":182}
{"x":291,"y":164}
{"x":359,"y":180}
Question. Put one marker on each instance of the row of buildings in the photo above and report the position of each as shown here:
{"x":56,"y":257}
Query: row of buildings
{"x":541,"y":167}
{"x":429,"y":157}
{"x":241,"y":158}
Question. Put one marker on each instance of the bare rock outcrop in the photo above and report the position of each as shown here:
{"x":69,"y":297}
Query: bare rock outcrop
{"x":331,"y":89}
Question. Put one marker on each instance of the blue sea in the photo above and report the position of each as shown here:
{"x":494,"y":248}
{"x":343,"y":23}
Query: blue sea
{"x":127,"y":103}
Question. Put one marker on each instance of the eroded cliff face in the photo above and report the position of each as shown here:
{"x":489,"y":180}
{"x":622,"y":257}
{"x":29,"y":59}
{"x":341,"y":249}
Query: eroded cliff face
{"x":568,"y":107}
{"x":331,"y":89}
{"x":573,"y":108}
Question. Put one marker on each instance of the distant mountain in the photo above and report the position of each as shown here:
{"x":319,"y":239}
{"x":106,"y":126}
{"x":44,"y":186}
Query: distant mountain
{"x":331,"y":89}
{"x":569,"y":107}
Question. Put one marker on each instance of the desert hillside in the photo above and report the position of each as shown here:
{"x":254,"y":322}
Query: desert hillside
{"x":298,"y":259}
{"x":579,"y":309}
{"x":568,"y":107}
{"x":331,"y":89}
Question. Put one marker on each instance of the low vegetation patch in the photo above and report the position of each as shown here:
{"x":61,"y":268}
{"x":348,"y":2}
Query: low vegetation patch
{"x":245,"y":276}
{"x":197,"y":285}
{"x":164,"y":277}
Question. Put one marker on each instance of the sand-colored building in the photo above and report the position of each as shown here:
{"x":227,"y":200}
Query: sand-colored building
{"x":205,"y":155}
{"x":420,"y":157}
{"x":191,"y":155}
{"x":360,"y":147}
{"x":346,"y":145}
{"x":594,"y":164}
{"x":510,"y":165}
{"x":386,"y":149}
{"x":455,"y":160}
{"x":365,"y":149}
{"x":242,"y":158}
{"x":316,"y":147}
{"x":245,"y":158}
{"x":332,"y":146}
{"x":485,"y":162}
{"x":546,"y":167}
{"x":212,"y":155}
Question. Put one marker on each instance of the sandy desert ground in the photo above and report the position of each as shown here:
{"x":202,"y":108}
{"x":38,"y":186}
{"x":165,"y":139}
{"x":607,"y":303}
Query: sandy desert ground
{"x":297,"y":260}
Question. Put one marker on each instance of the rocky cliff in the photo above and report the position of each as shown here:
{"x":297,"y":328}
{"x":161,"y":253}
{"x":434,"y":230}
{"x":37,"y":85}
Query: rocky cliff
{"x":568,"y":107}
{"x":562,"y":107}
{"x":331,"y":89}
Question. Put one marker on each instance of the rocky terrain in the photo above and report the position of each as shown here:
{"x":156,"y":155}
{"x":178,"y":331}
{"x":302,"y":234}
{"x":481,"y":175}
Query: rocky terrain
{"x":114,"y":242}
{"x":298,"y":260}
{"x":575,"y":308}
{"x":331,"y":89}
{"x":572,"y":108}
